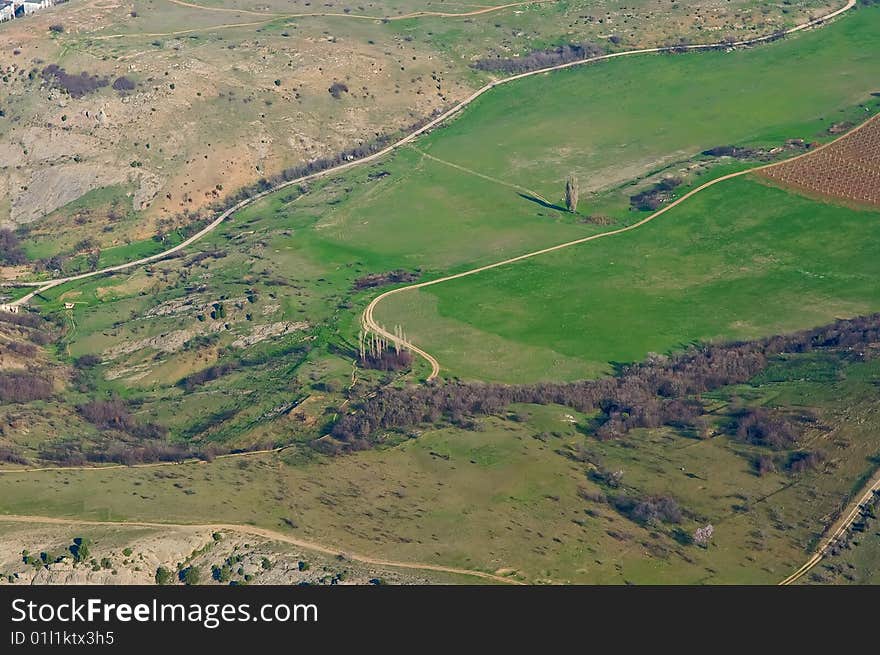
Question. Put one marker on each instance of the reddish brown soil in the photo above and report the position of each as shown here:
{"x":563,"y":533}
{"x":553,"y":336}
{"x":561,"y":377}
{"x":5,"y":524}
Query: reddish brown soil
{"x":848,"y":169}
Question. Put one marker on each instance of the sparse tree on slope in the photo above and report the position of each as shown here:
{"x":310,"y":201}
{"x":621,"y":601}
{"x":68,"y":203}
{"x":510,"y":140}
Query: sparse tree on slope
{"x":571,"y":193}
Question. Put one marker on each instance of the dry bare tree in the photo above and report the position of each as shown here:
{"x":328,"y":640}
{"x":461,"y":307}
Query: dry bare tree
{"x":571,"y":193}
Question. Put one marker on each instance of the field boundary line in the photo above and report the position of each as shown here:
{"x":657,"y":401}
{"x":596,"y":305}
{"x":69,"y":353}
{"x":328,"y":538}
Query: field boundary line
{"x":42,"y":286}
{"x":267,"y":534}
{"x":488,"y":178}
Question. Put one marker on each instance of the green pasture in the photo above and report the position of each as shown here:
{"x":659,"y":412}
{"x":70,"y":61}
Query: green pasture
{"x":739,"y":260}
{"x":511,"y":495}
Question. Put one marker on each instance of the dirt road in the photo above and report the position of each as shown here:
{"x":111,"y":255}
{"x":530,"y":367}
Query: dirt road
{"x":268,"y":17}
{"x":267,"y":534}
{"x":837,"y":529}
{"x":46,"y":285}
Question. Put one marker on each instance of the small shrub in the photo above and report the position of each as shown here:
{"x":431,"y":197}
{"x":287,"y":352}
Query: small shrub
{"x":163,"y":576}
{"x":123,"y":84}
{"x":337,"y":89}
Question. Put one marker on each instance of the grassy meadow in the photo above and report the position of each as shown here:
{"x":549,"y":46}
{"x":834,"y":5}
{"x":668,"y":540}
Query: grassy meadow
{"x":515,"y":496}
{"x":737,"y":261}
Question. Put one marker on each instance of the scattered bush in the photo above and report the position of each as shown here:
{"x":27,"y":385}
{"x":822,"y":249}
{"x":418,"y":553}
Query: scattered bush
{"x":20,"y":348}
{"x":802,"y":461}
{"x":731,"y":151}
{"x":191,"y":575}
{"x":86,"y":361}
{"x":11,"y":251}
{"x":651,"y":199}
{"x":80,"y":549}
{"x":765,"y":427}
{"x":337,"y":89}
{"x":10,"y":456}
{"x":650,"y":510}
{"x":23,"y":387}
{"x":22,"y":319}
{"x":163,"y":576}
{"x":76,"y":85}
{"x":107,"y":414}
{"x":204,"y":376}
{"x":123,"y":84}
{"x":764,"y":465}
{"x":539,"y":59}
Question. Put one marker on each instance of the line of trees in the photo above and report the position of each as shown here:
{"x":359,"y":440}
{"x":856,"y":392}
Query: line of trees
{"x":662,"y":390}
{"x":324,"y":163}
{"x":538,"y":59}
{"x":397,"y":276}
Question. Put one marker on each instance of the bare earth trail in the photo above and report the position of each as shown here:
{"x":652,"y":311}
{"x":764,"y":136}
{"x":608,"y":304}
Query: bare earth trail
{"x":837,"y":529}
{"x":46,"y":285}
{"x":269,"y":17}
{"x":495,"y":180}
{"x":414,"y":14}
{"x":267,"y":534}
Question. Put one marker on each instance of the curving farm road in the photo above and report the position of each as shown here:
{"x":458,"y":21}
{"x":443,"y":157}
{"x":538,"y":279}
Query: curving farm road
{"x":267,"y":534}
{"x":44,"y":286}
{"x":414,"y":14}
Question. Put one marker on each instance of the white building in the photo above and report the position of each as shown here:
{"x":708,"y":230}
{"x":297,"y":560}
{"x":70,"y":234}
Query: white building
{"x":12,"y":309}
{"x":10,"y":9}
{"x":7,"y":11}
{"x":32,"y":6}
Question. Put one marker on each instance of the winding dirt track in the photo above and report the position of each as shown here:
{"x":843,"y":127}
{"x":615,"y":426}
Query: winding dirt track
{"x":267,"y":534}
{"x":44,"y":286}
{"x":269,"y":17}
{"x":414,"y":14}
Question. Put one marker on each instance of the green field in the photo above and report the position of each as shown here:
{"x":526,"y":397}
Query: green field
{"x":301,"y":250}
{"x":737,"y":261}
{"x":609,"y":123}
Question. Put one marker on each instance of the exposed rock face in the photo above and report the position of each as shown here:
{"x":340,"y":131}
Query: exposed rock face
{"x":53,"y":187}
{"x":122,"y":555}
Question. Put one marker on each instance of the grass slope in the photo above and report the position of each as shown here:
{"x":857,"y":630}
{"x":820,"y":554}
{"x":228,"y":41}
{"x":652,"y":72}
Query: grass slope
{"x":739,"y":260}
{"x":509,"y":496}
